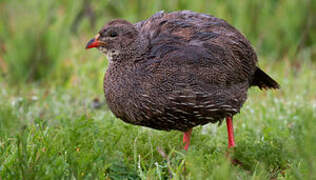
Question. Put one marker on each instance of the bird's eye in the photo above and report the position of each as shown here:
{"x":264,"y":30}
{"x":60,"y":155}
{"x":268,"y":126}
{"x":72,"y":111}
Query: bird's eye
{"x":112,"y":34}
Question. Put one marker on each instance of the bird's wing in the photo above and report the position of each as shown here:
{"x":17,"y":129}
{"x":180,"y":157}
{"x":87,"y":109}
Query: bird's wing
{"x":199,"y":39}
{"x":196,"y":59}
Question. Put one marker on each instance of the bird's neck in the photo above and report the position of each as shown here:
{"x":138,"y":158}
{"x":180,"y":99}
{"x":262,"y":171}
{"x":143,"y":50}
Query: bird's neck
{"x":132,"y":53}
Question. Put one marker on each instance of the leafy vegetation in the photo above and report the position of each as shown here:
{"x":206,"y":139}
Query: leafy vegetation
{"x":49,"y":129}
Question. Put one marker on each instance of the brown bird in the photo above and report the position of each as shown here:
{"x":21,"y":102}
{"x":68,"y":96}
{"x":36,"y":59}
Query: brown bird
{"x":178,"y":70}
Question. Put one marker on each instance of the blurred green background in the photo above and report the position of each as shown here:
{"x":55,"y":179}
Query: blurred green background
{"x":39,"y":39}
{"x":48,"y":81}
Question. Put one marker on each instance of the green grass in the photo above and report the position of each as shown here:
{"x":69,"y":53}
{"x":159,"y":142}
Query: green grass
{"x":48,"y":129}
{"x":53,"y":133}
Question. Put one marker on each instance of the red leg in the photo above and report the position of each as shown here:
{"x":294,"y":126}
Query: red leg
{"x":230,"y":130}
{"x":186,"y":139}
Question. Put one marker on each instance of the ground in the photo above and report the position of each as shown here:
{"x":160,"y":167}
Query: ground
{"x":55,"y":133}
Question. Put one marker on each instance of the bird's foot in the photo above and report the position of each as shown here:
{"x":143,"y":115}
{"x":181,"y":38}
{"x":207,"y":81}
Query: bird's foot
{"x":231,"y":140}
{"x":186,"y":139}
{"x":233,"y":160}
{"x":230,"y":131}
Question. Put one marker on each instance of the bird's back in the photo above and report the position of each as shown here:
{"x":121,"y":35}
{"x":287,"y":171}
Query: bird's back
{"x":215,"y":41}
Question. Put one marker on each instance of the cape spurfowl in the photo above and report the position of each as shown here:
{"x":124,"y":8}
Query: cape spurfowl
{"x":178,"y":70}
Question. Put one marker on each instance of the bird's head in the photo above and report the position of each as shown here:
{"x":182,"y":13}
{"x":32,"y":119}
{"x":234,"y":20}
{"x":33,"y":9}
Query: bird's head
{"x":115,"y":38}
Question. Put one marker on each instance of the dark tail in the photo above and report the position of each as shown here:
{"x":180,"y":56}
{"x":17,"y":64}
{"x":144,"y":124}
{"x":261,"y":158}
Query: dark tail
{"x":264,"y":81}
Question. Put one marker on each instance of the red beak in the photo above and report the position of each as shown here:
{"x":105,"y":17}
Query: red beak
{"x":93,"y":43}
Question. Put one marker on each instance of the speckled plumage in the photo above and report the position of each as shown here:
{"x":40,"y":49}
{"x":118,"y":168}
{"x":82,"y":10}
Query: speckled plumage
{"x":178,"y":70}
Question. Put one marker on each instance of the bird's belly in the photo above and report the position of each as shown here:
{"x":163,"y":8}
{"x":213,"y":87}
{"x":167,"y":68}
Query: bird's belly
{"x":181,"y":115}
{"x":172,"y":110}
{"x":173,"y":113}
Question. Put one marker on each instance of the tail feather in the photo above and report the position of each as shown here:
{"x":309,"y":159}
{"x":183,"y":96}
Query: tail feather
{"x":263,"y":80}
